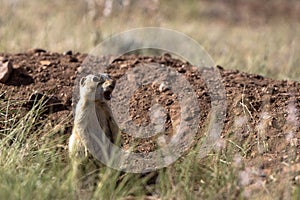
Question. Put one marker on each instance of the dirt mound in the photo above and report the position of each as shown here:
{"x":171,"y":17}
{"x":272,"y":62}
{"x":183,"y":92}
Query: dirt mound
{"x":262,"y":114}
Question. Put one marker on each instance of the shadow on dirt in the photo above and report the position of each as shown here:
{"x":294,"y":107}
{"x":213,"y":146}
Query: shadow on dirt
{"x":19,"y":77}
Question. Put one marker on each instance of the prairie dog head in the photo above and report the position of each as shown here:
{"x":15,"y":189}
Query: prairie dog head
{"x":96,"y":87}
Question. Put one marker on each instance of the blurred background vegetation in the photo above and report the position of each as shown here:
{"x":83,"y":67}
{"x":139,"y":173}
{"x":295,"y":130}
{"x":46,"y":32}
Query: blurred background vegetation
{"x":254,"y":36}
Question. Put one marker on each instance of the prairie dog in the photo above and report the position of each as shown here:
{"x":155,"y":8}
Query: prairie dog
{"x":91,"y":111}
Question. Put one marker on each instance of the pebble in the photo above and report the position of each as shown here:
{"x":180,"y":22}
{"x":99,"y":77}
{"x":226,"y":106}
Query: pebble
{"x":167,"y":55}
{"x":3,"y":59}
{"x":45,"y":62}
{"x":36,"y":50}
{"x":69,"y":52}
{"x":79,"y":69}
{"x":182,"y":69}
{"x":297,"y":179}
{"x":6,"y":69}
{"x":163,"y":87}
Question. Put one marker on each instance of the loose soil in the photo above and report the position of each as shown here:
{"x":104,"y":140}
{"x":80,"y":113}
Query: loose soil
{"x":261,"y":119}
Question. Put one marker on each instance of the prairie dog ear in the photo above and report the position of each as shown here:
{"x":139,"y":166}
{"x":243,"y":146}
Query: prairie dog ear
{"x":82,"y":81}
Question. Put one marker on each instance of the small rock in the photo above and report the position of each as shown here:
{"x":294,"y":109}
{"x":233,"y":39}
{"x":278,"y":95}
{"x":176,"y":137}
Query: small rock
{"x":182,"y":69}
{"x":163,"y":87}
{"x":3,"y":59}
{"x":167,"y":55}
{"x":36,"y":50}
{"x":220,"y":67}
{"x":45,"y":62}
{"x":123,"y":66}
{"x":169,"y":102}
{"x":79,"y":69}
{"x":69,"y":52}
{"x":73,"y":59}
{"x":5,"y":70}
{"x":80,"y":57}
{"x":194,"y":69}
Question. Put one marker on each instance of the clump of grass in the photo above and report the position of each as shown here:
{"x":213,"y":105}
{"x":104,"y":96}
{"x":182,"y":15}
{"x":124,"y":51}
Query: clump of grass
{"x":34,"y":165}
{"x":192,"y":177}
{"x":32,"y":162}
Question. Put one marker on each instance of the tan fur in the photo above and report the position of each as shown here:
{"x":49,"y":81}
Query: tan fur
{"x":85,"y":167}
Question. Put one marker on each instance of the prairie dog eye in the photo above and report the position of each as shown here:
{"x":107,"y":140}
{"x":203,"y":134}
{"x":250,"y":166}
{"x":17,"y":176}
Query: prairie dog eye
{"x":96,"y":79}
